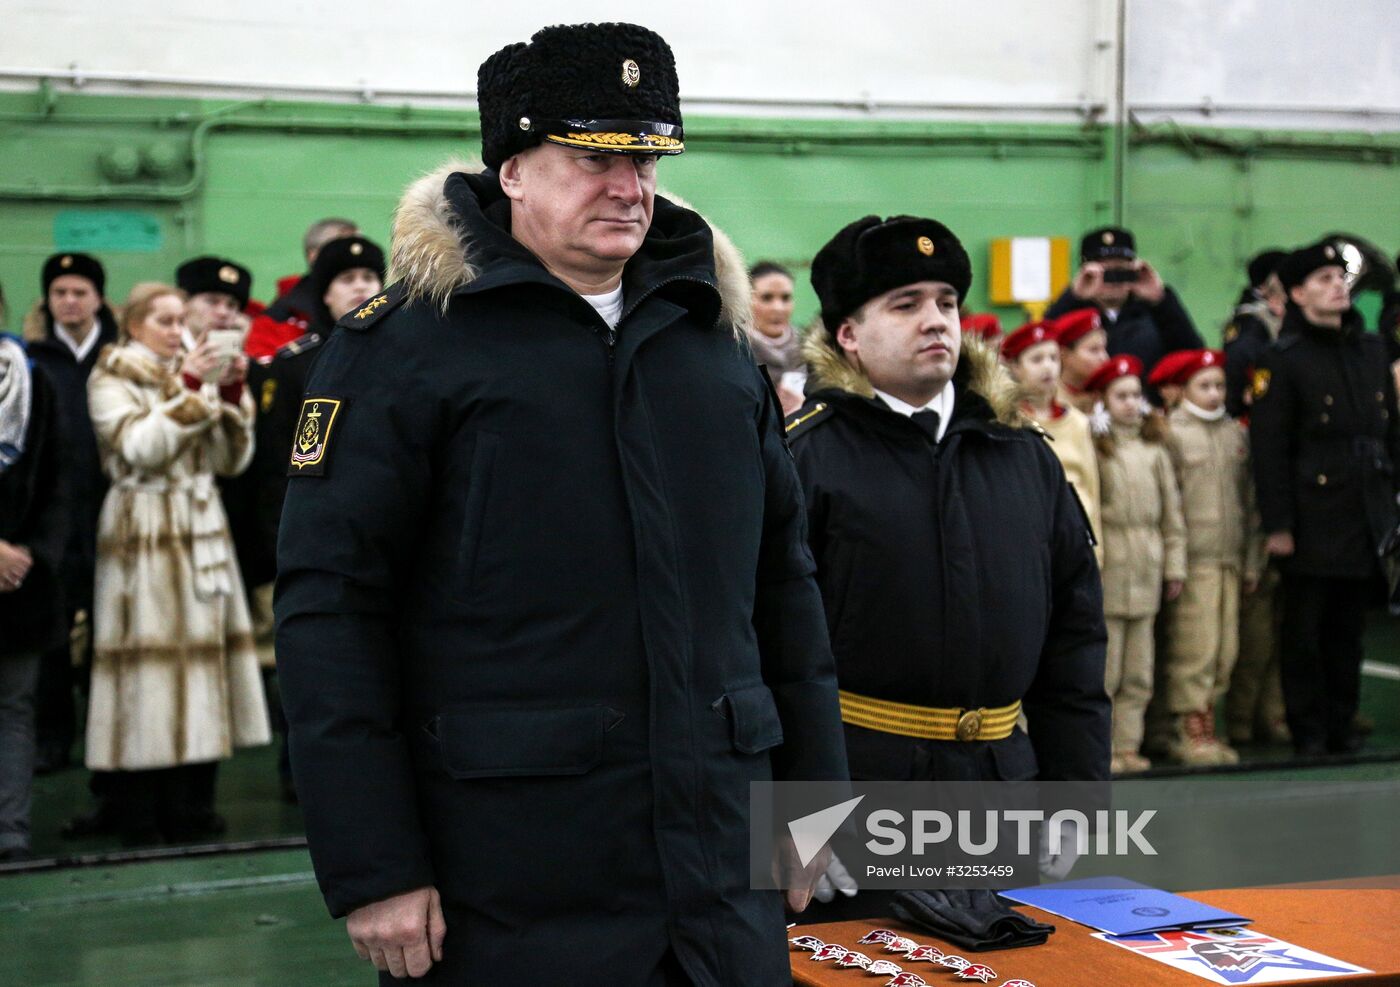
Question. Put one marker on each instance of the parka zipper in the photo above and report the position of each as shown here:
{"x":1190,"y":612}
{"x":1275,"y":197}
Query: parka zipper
{"x":609,"y":333}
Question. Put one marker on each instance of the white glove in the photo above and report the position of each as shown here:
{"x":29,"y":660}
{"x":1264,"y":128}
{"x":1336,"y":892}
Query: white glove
{"x":1056,"y":866}
{"x":836,"y":878}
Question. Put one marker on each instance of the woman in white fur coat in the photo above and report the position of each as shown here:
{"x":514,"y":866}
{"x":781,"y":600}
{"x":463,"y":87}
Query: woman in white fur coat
{"x":175,"y":682}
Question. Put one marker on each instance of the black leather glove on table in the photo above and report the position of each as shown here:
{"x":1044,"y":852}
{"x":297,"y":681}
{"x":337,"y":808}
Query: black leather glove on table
{"x":975,"y":920}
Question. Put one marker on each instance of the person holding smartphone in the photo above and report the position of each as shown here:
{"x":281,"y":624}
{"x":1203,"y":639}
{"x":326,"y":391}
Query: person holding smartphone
{"x":1142,"y":315}
{"x":175,"y":684}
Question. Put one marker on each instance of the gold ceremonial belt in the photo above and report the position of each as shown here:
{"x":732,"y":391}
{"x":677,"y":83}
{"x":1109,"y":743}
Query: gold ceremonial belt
{"x":929,"y":722}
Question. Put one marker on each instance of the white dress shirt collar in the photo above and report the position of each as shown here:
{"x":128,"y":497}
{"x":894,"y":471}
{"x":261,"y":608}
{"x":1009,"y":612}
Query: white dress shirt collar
{"x":943,"y":404}
{"x":79,"y":350}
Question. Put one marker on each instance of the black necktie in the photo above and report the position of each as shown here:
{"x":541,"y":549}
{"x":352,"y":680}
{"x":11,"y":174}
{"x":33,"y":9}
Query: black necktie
{"x":928,"y":421}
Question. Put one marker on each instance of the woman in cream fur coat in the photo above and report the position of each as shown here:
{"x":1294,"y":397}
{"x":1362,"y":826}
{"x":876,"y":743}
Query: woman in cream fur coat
{"x":175,"y":683}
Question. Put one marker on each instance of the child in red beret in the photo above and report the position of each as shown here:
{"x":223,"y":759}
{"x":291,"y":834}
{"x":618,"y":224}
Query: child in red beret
{"x":1083,"y":349}
{"x":1032,"y":353}
{"x":1144,"y":546}
{"x":1210,"y":452}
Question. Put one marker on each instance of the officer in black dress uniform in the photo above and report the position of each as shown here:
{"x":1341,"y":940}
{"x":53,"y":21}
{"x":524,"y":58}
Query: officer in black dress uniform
{"x":955,"y":561}
{"x":1325,"y":436}
{"x":545,"y":607}
{"x":277,"y":386}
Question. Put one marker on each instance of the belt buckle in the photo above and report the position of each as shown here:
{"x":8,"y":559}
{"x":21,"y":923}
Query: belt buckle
{"x":969,"y":725}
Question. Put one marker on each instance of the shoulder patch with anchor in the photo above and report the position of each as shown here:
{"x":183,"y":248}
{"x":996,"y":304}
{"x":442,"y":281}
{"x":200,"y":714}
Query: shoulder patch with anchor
{"x":803,"y":420}
{"x":312,"y":440}
{"x":376,"y":308}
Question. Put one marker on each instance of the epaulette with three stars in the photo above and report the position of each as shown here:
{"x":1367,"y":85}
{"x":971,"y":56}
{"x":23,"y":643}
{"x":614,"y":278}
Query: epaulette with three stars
{"x":805,"y":419}
{"x":376,"y":308}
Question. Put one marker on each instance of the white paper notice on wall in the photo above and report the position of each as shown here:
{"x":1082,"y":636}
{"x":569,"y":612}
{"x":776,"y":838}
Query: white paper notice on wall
{"x":1030,"y":268}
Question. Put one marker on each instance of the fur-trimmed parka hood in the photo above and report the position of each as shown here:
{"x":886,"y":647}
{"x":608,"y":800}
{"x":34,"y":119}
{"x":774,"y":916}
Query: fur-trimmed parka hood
{"x":36,"y":327}
{"x":437,"y":249}
{"x":1259,"y":309}
{"x":979,"y":371}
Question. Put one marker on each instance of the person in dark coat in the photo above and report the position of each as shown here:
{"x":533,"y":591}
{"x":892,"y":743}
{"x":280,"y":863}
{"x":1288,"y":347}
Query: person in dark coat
{"x":347,"y":273}
{"x":1142,"y":315}
{"x":955,"y":562}
{"x":1388,"y":322}
{"x":64,"y":333}
{"x":297,"y":304}
{"x":34,"y":517}
{"x":545,"y":607}
{"x":1325,"y":435}
{"x":1253,"y":328}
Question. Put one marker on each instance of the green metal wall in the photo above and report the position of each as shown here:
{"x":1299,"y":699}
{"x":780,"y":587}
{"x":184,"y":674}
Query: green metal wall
{"x":146,"y":182}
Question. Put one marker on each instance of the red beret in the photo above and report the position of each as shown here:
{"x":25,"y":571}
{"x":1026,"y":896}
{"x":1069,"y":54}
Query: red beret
{"x":1027,"y":336}
{"x":1123,"y":365}
{"x":1165,"y":371}
{"x":1193,"y":362}
{"x":983,"y":324}
{"x":1074,"y":326}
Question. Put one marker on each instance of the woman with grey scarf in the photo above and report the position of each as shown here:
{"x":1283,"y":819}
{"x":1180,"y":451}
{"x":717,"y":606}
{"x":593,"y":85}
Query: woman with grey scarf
{"x":776,"y":344}
{"x":33,"y":529}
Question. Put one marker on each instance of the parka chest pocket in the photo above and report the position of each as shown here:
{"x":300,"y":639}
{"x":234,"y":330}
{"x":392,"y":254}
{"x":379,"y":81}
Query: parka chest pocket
{"x":518,"y":742}
{"x":754,"y":725}
{"x":483,"y":462}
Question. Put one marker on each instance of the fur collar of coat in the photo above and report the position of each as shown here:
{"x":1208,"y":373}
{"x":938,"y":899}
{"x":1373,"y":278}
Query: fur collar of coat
{"x":432,"y":255}
{"x":979,"y":370}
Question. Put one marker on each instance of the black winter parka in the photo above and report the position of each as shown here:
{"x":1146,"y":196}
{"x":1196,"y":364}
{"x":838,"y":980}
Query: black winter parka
{"x":545,"y":606}
{"x":955,"y":574}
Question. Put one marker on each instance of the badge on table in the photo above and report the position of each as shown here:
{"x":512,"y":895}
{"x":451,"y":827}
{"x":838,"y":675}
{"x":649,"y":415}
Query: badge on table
{"x":875,"y":936}
{"x":908,"y":980}
{"x":926,"y":954}
{"x":852,"y":958}
{"x":313,"y":436}
{"x":830,"y":951}
{"x":884,"y":967}
{"x":1235,"y":956}
{"x":807,"y":942}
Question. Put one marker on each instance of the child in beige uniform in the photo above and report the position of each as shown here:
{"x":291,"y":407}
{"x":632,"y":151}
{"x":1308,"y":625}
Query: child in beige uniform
{"x":1144,"y":545}
{"x":1032,"y":353}
{"x":1083,"y":349}
{"x":1210,"y":452}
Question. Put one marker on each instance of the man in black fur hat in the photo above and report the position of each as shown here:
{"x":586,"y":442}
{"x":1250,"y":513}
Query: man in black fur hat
{"x":936,"y":509}
{"x":545,"y":606}
{"x":1325,"y":437}
{"x":65,"y":332}
{"x":1141,"y":313}
{"x":218,"y":292}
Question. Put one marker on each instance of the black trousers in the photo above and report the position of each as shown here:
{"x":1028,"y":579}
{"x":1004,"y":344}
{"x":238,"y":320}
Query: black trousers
{"x":1323,"y":620}
{"x":55,"y":704}
{"x":163,"y":803}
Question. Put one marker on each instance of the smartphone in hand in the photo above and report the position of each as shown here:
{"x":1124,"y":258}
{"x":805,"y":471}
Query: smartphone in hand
{"x":227,"y":344}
